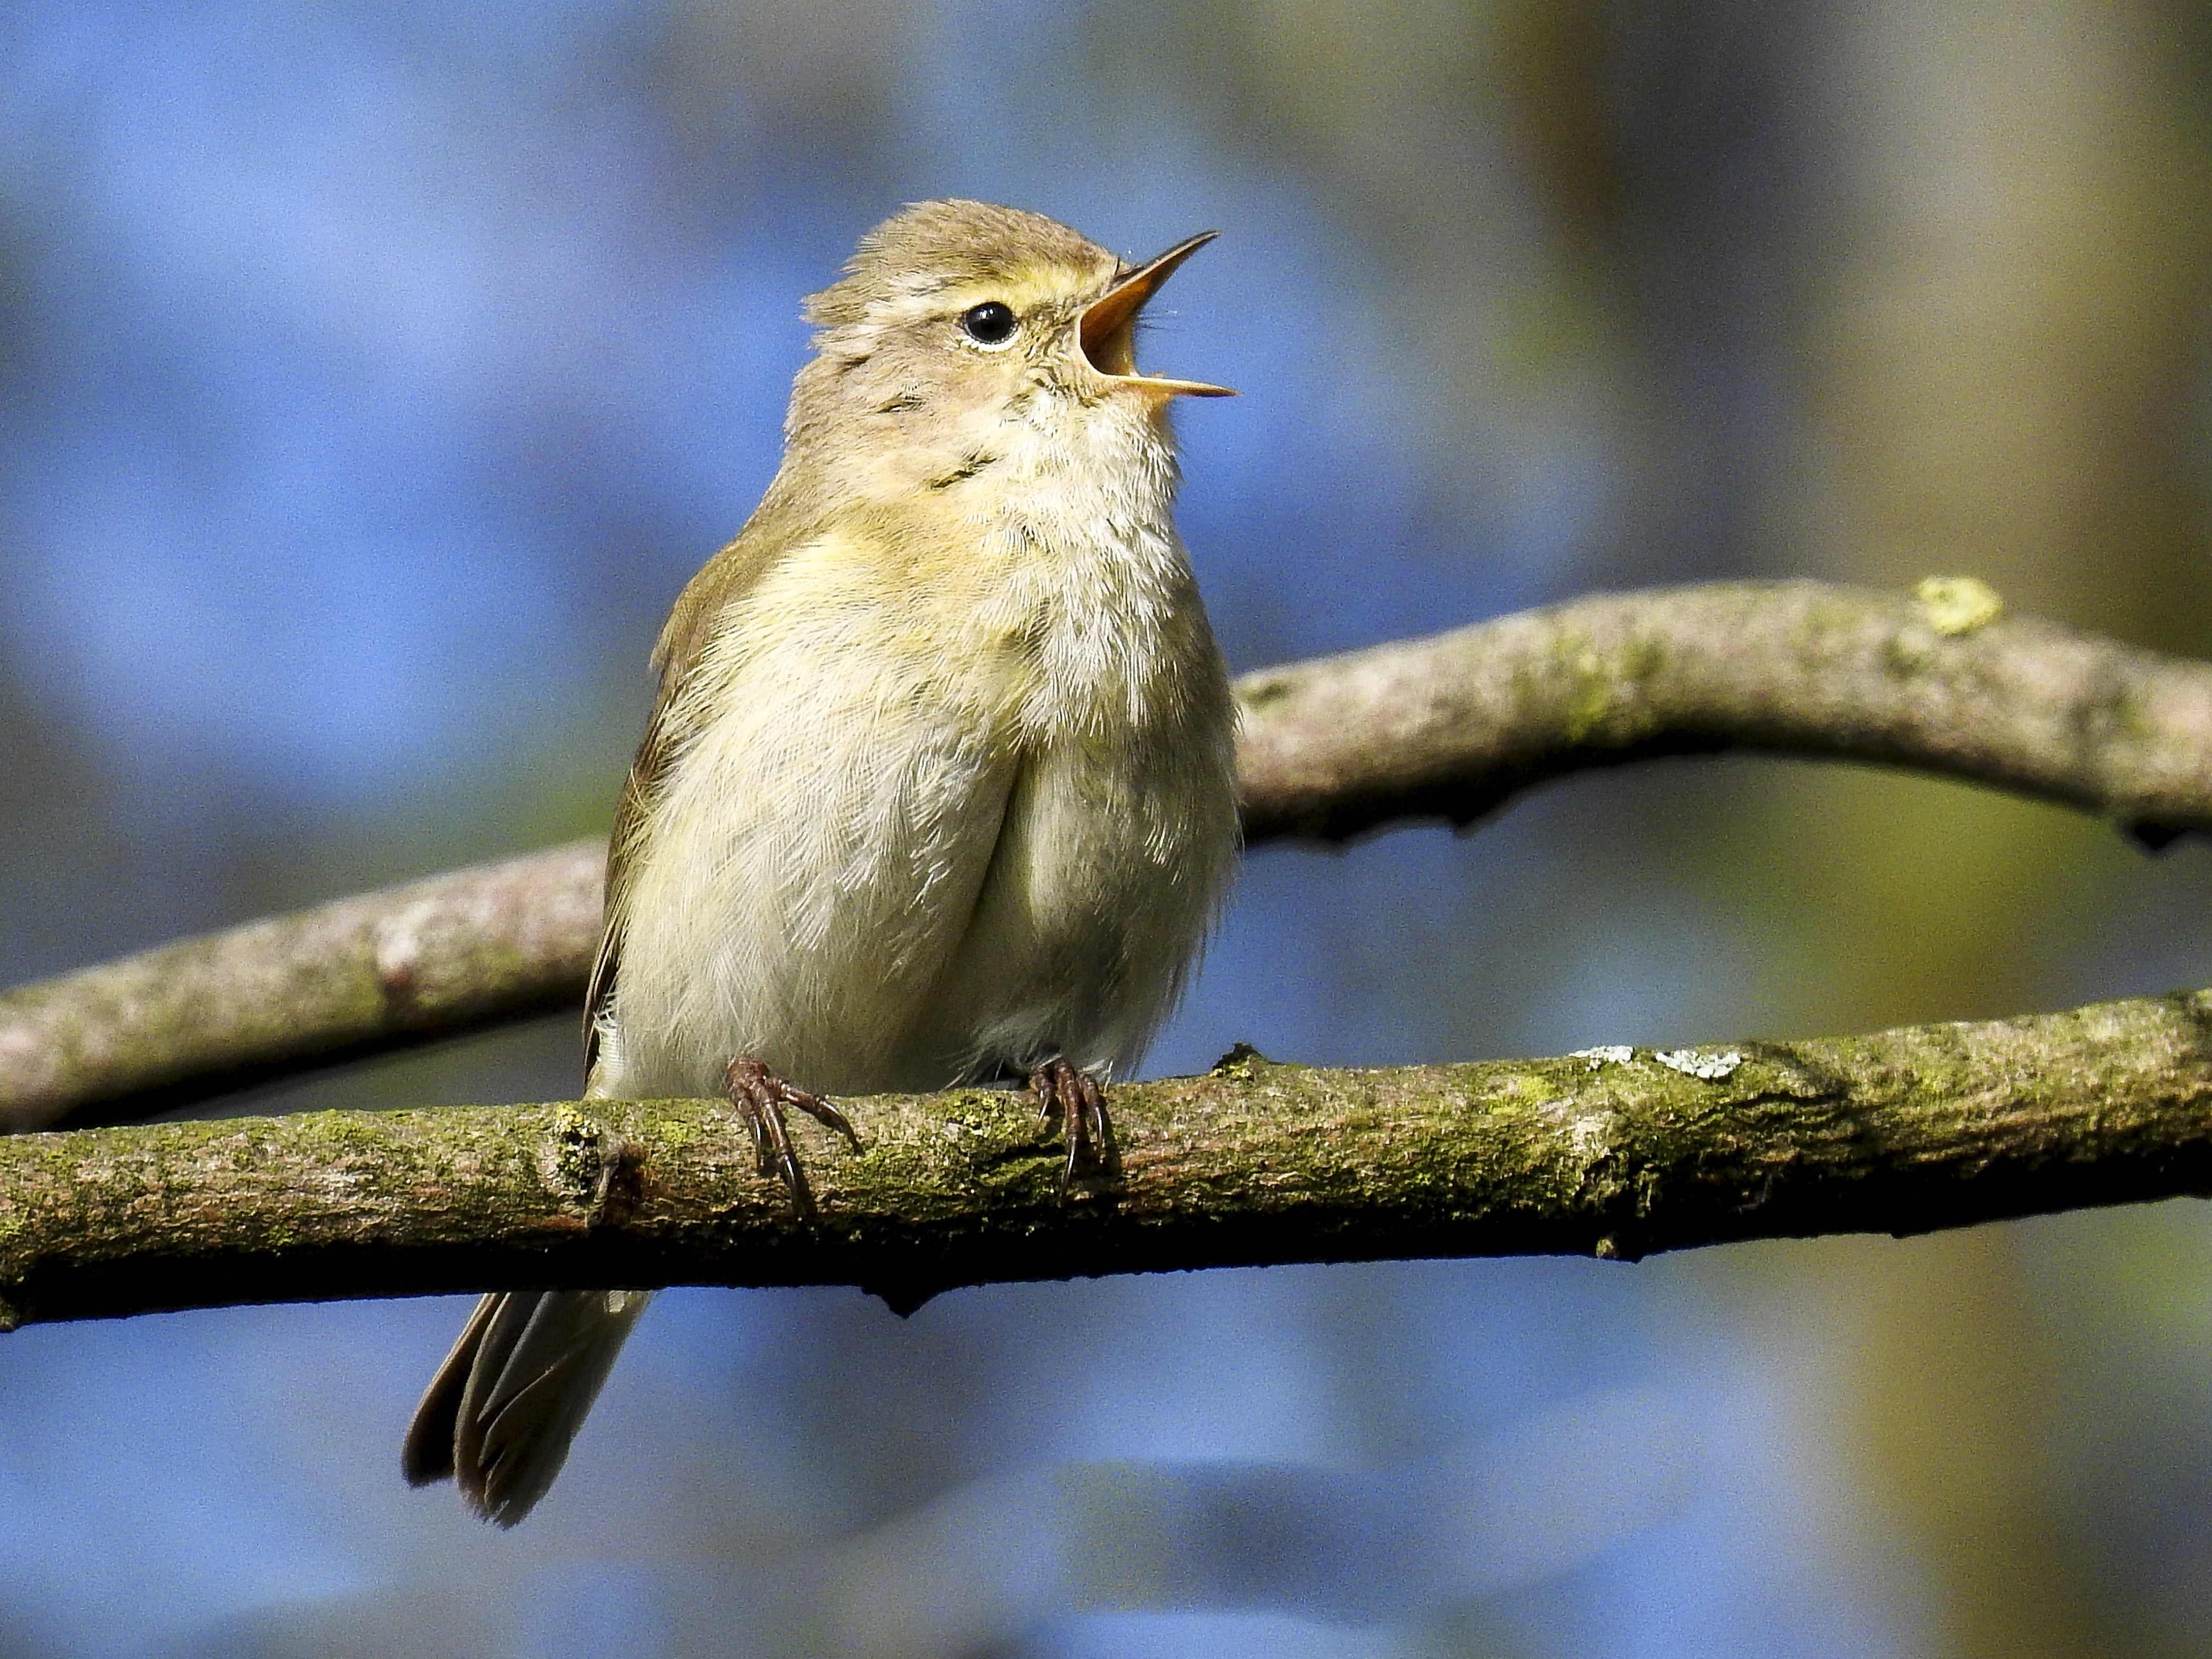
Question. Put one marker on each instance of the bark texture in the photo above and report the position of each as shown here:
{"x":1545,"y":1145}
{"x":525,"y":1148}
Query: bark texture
{"x":208,"y":1015}
{"x":1611,"y":1153}
{"x":1448,"y":727}
{"x":1940,"y":682}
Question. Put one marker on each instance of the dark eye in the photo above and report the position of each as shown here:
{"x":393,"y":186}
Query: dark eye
{"x":991,"y":323}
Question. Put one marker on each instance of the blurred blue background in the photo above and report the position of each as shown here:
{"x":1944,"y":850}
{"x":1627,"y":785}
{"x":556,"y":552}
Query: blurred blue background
{"x":372,"y":378}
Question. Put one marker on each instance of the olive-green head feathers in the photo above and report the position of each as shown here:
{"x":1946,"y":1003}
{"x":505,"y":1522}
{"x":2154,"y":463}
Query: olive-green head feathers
{"x":931,"y":248}
{"x":956,"y":318}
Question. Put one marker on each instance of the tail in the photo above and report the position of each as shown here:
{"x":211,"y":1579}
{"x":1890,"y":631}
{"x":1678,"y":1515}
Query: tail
{"x":500,"y":1414}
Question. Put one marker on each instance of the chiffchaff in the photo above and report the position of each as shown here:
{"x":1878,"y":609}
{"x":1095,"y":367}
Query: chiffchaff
{"x":939,"y":787}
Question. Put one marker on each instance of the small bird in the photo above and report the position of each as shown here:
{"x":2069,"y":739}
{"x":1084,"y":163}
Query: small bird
{"x":939,"y":787}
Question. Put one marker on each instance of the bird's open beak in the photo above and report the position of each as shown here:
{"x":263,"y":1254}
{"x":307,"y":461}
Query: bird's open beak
{"x":1108,"y":329}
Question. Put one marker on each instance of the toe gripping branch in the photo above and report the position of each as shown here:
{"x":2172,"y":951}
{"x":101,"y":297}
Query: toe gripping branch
{"x":1074,"y":1098}
{"x":760,"y":1096}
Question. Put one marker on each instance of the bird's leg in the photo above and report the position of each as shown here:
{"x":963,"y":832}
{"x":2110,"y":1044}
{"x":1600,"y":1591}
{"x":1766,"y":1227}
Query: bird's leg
{"x":1063,"y":1091}
{"x":760,"y":1096}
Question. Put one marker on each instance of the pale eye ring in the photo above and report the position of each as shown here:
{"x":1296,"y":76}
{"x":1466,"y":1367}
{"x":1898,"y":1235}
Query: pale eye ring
{"x":990,"y":324}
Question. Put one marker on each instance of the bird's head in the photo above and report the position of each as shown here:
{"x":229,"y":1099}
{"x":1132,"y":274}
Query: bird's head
{"x":960,"y":329}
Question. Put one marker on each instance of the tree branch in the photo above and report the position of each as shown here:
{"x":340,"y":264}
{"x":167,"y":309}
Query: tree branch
{"x":1448,"y":727}
{"x":1932,"y":1127}
{"x":1454,"y":725}
{"x":205,"y":1016}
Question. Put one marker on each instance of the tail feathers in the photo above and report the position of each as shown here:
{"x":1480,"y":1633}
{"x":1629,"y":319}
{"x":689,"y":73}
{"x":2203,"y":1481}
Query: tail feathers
{"x":500,"y":1414}
{"x":427,"y":1456}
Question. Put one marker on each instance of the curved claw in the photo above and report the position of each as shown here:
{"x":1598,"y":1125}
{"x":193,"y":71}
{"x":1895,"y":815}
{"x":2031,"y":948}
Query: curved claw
{"x":1073,"y":1097}
{"x":823,"y":1112}
{"x":760,"y":1096}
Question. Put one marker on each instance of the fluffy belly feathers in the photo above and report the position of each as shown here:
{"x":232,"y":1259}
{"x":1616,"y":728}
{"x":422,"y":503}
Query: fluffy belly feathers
{"x":969,"y":857}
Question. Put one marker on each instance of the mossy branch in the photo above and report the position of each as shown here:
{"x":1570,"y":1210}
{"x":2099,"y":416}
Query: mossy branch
{"x":1608,"y":1154}
{"x":1448,"y":727}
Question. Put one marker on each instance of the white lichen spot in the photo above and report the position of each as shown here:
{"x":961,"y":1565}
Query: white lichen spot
{"x":1590,"y":1133}
{"x":1705,"y":1067}
{"x":1958,"y":605}
{"x":400,"y":942}
{"x":339,"y":1183}
{"x":1608,"y":1053}
{"x":953,"y":1130}
{"x":1590,"y":1136}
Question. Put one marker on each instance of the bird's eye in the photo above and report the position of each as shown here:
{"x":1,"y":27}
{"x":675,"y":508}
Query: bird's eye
{"x":991,"y":323}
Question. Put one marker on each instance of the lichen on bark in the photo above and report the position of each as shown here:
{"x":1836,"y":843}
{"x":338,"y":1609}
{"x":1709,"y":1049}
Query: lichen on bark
{"x":1254,"y":1162}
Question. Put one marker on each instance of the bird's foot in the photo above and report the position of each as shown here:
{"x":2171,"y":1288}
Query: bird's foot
{"x":1075,"y":1098}
{"x":760,"y":1096}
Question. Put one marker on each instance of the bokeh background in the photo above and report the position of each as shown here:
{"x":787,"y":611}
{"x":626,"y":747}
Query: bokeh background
{"x":372,"y":377}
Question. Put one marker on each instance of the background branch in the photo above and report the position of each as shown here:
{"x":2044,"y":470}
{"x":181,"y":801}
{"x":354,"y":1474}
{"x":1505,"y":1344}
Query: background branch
{"x":1448,"y":727}
{"x":1454,"y":725}
{"x":204,"y":1016}
{"x":1908,"y":1131}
